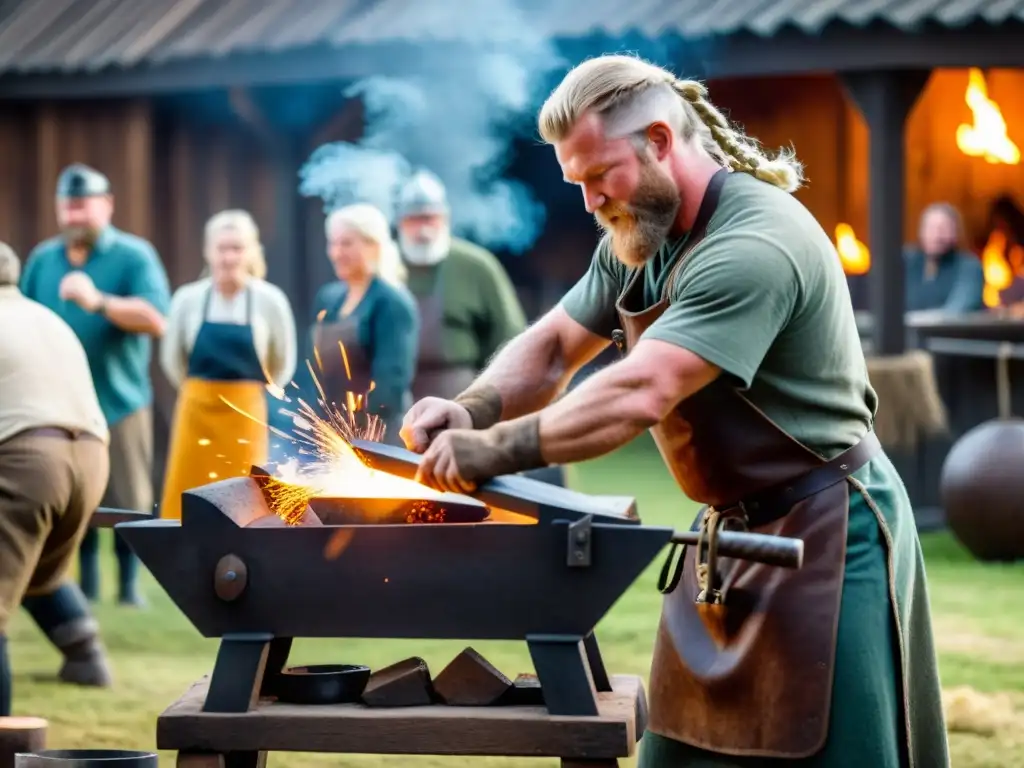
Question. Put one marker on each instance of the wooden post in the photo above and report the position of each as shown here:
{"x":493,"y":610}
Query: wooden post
{"x":885,"y":98}
{"x":20,"y":734}
{"x":286,"y":254}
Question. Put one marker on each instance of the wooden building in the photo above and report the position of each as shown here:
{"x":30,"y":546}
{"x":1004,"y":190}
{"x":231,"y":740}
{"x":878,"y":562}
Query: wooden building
{"x":181,"y":103}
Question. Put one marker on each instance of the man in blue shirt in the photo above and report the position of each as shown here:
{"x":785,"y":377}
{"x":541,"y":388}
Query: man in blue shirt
{"x":112,"y":289}
{"x":939,"y":274}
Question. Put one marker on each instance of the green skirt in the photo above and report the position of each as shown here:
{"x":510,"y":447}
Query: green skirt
{"x":875,"y":657}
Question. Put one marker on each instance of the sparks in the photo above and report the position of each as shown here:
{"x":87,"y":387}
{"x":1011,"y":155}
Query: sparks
{"x":324,"y":432}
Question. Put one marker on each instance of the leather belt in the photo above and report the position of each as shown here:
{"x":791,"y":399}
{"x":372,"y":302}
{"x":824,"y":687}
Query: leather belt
{"x":773,"y":503}
{"x":763,"y":508}
{"x":67,"y":434}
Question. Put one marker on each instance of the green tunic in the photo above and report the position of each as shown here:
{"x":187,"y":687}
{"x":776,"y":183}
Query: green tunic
{"x":481,"y":309}
{"x":763,"y":297}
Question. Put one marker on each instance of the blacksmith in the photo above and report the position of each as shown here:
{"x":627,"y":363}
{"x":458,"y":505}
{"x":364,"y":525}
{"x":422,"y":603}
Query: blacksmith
{"x":745,"y":363}
{"x":53,"y":469}
{"x":111,"y":288}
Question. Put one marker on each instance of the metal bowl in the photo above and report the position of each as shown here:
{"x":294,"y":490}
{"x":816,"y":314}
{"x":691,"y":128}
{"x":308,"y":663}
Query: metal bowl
{"x":321,"y":684}
{"x":87,"y":758}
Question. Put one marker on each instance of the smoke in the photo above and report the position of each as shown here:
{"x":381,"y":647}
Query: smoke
{"x":452,"y":114}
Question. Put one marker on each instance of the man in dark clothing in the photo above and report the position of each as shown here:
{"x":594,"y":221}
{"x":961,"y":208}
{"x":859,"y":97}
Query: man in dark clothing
{"x":939,"y":274}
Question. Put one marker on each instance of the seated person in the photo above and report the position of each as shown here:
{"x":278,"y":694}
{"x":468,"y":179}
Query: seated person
{"x":939,"y":274}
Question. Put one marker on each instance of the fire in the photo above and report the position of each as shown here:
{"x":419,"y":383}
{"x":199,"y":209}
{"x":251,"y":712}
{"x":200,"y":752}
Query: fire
{"x":853,"y":254}
{"x":987,"y":137}
{"x":998,"y":266}
{"x":336,"y":468}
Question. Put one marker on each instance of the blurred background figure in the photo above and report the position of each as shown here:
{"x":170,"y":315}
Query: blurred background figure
{"x":369,"y":312}
{"x":111,"y":288}
{"x":228,"y":336}
{"x":939,"y":274}
{"x":467,"y":304}
{"x":53,"y":471}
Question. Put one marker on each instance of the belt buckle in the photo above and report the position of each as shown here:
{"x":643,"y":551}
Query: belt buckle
{"x":712,"y":523}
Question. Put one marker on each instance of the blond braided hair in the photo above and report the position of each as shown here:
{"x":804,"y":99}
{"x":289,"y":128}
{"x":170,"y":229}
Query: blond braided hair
{"x":629,"y":94}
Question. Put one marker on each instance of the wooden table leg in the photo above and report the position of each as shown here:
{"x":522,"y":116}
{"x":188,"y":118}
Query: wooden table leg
{"x":226,"y":760}
{"x":199,"y":760}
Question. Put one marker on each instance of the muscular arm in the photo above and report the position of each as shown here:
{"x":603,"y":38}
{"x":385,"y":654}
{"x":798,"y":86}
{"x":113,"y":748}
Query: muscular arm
{"x":617,"y":404}
{"x":534,"y":368}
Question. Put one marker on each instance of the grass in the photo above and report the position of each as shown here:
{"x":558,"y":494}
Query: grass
{"x":156,"y":653}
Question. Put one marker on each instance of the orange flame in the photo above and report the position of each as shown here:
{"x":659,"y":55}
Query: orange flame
{"x":996,"y":265}
{"x":987,"y":137}
{"x":853,"y":254}
{"x":337,"y":468}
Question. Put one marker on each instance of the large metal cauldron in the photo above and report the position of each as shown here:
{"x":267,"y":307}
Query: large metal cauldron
{"x":87,"y":758}
{"x":983,"y":490}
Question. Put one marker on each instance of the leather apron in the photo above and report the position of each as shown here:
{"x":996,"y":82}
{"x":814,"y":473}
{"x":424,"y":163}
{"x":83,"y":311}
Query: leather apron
{"x":211,"y":440}
{"x":435,"y":376}
{"x":744,"y":656}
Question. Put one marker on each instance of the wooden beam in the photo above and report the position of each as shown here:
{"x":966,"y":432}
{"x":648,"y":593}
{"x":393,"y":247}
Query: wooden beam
{"x":885,"y":98}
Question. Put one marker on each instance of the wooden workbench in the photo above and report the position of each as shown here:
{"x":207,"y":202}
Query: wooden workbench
{"x":215,"y":740}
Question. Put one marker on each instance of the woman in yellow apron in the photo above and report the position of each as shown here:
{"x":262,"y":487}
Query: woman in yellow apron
{"x":227,"y":334}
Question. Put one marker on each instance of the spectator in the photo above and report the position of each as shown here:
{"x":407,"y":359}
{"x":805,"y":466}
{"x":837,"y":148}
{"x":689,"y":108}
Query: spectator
{"x":939,"y":274}
{"x":53,"y":470}
{"x":111,"y":288}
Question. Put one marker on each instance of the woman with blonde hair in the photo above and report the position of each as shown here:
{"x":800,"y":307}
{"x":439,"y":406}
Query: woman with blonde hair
{"x":229,"y":335}
{"x":369,"y":313}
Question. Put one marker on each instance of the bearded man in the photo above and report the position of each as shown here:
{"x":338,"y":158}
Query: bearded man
{"x":468,"y":307}
{"x":743,"y":359}
{"x":111,"y":288}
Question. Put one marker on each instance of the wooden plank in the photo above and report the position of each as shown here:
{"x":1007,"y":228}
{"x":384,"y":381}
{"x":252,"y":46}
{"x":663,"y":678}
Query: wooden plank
{"x":432,"y":730}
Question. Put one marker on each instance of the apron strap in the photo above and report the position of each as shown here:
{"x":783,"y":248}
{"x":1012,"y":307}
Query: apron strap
{"x":248,"y":304}
{"x":206,"y":302}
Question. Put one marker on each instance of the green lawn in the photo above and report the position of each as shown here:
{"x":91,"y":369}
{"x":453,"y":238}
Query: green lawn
{"x":157,"y":653}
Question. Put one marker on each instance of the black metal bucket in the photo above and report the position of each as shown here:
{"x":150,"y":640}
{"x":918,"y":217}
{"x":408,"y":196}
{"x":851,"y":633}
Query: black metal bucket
{"x":87,"y":758}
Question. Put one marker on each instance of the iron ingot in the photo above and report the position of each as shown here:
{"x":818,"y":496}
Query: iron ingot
{"x":321,"y":684}
{"x":87,"y":758}
{"x":448,"y":508}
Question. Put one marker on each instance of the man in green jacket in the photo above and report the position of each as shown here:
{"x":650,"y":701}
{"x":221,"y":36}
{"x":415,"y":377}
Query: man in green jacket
{"x":468,"y":306}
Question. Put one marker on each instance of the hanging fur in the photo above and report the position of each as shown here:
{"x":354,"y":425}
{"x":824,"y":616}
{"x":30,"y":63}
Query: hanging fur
{"x":909,"y":404}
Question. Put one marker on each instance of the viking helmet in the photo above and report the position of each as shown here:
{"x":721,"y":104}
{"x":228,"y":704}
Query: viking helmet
{"x":424,"y":193}
{"x":80,"y":180}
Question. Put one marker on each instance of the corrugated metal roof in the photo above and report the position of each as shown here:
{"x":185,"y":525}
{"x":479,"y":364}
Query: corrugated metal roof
{"x":89,"y":35}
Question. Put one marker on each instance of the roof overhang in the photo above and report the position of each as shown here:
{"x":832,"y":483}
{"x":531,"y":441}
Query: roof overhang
{"x":837,"y":48}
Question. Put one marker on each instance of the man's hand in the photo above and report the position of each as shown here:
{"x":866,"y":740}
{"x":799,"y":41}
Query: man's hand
{"x":79,"y":288}
{"x":430,"y":416}
{"x":460,"y":459}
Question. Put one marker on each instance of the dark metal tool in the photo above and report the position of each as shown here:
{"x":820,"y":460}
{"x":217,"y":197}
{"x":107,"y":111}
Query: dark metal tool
{"x":547,"y":578}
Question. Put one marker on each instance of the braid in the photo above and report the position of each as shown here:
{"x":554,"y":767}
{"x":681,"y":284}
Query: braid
{"x":741,"y":153}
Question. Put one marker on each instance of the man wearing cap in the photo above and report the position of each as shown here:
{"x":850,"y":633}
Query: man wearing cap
{"x":53,"y":469}
{"x":468,"y":307}
{"x":111,"y":288}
